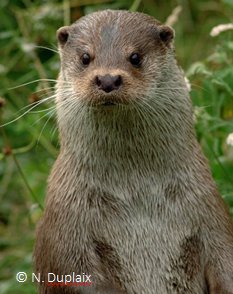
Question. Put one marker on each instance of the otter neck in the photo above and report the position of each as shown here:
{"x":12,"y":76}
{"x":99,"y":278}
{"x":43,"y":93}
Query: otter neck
{"x":125,"y":137}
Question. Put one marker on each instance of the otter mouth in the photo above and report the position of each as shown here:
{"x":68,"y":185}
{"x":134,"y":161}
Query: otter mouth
{"x":108,"y":103}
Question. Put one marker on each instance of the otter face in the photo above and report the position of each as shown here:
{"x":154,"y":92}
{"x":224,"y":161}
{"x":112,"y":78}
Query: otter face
{"x":113,"y":57}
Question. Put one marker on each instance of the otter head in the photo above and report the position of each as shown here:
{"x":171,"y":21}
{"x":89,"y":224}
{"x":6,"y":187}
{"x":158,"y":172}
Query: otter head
{"x":113,"y":57}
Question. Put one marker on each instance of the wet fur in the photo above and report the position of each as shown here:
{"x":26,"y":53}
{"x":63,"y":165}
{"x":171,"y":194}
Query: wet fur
{"x":130,"y":199}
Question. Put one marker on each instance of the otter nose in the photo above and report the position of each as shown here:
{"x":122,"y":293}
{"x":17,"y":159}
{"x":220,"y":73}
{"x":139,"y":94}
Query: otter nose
{"x":108,"y":83}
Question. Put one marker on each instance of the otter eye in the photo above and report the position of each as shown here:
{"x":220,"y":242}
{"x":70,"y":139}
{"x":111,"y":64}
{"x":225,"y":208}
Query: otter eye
{"x":135,"y":59}
{"x":86,"y":59}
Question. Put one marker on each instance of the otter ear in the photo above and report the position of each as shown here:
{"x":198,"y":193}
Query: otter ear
{"x":166,"y":34}
{"x":63,"y":35}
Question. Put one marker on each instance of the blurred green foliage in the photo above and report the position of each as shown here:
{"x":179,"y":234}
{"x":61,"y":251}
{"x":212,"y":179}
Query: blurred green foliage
{"x":28,"y":145}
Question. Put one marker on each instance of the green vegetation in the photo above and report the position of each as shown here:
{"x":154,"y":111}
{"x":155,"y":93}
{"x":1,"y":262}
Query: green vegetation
{"x":29,"y":145}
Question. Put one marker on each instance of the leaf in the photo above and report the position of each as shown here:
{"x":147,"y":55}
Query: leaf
{"x":198,"y":68}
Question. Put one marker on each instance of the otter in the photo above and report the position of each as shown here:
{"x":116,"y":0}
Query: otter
{"x":130,"y":202}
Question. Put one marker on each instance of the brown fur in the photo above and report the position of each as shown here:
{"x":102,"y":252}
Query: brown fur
{"x":130,"y":199}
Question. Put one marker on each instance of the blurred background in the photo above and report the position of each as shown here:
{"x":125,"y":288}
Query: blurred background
{"x":29,"y":65}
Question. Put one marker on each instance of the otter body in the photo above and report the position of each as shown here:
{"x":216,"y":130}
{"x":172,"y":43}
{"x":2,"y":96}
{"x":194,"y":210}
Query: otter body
{"x":130,"y":199}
